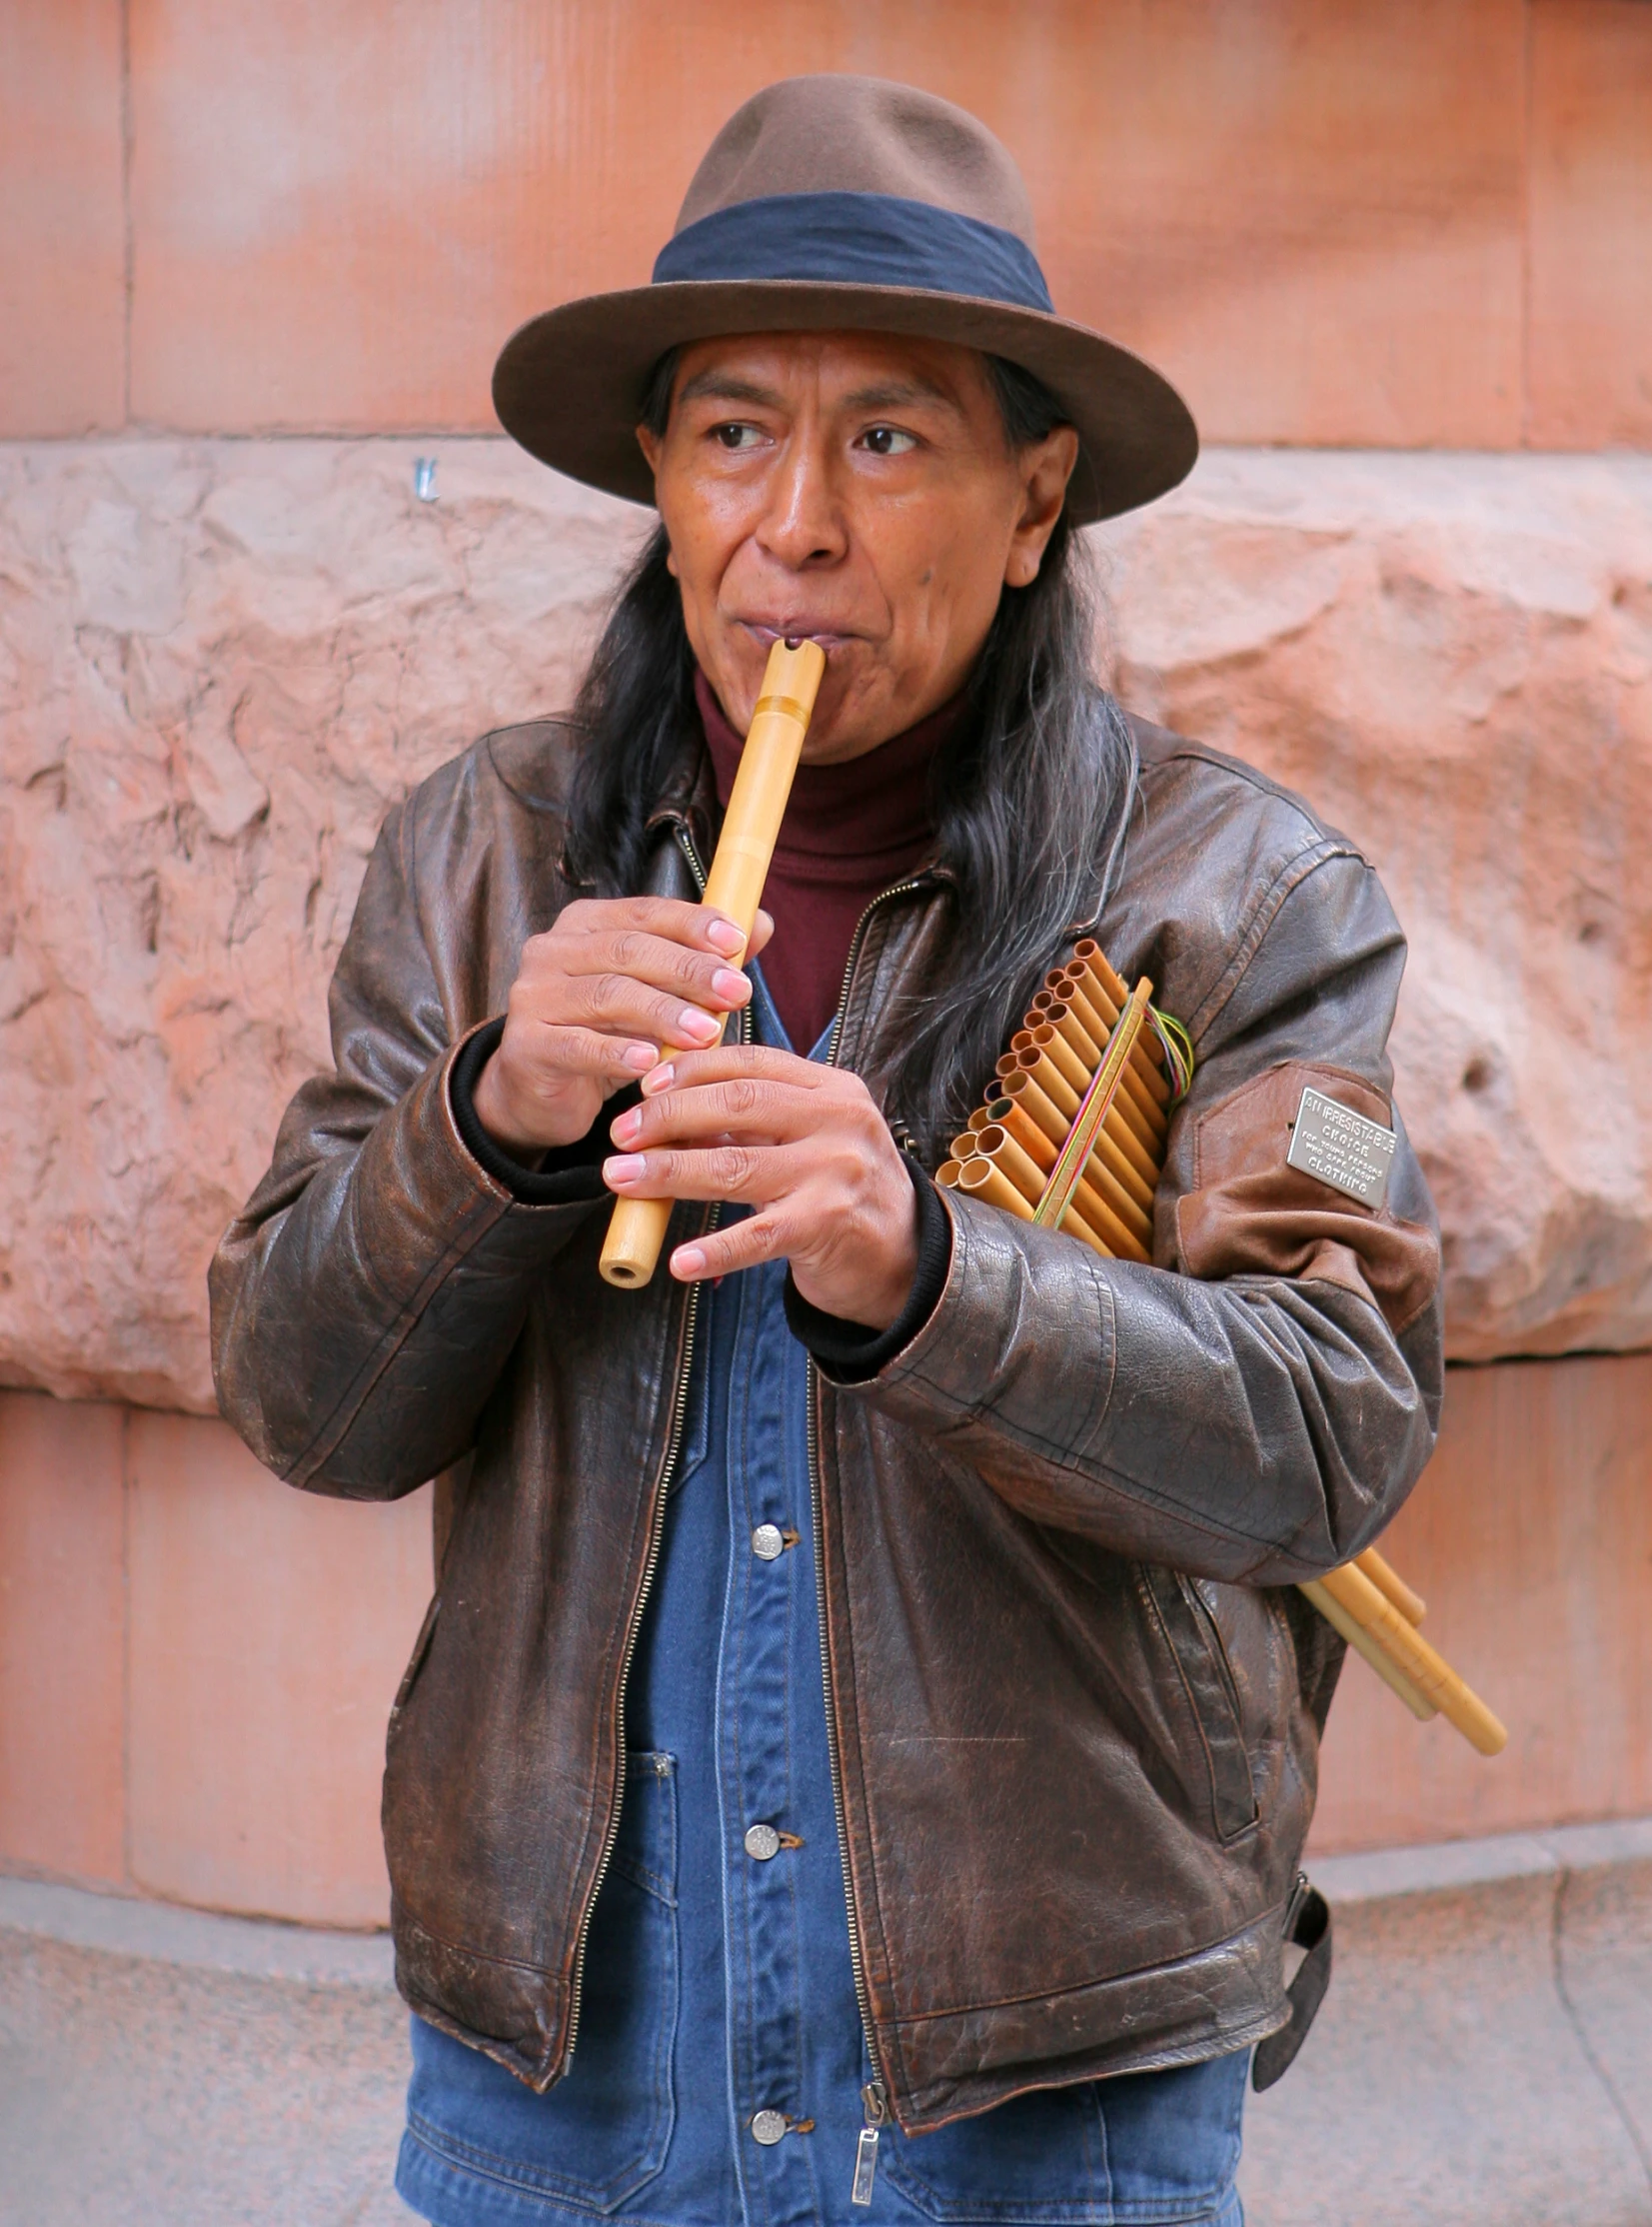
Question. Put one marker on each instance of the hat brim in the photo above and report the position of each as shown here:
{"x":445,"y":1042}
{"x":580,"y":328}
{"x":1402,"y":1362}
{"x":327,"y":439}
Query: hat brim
{"x":568,"y":385}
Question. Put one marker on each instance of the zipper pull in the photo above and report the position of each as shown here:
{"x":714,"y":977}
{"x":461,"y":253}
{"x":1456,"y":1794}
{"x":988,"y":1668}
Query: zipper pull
{"x":865,"y":2150}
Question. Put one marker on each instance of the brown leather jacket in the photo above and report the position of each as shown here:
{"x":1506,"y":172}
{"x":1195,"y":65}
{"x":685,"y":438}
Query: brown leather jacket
{"x":1075,"y":1700}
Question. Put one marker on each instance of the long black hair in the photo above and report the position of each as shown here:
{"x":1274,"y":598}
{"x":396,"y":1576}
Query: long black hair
{"x":1032,"y":794}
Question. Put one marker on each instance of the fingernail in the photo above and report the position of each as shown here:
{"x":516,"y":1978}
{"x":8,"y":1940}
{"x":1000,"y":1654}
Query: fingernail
{"x":627,"y":1127}
{"x":688,"y":1261}
{"x":700,"y":1026}
{"x":660,"y":1080}
{"x":641,"y":1057}
{"x":623,"y":1168}
{"x":724,"y":937}
{"x":729,"y":985}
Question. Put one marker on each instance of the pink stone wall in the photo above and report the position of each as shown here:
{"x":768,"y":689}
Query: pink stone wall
{"x":245,"y":246}
{"x":222,"y":662}
{"x":1407,"y":225}
{"x":196,"y":1664}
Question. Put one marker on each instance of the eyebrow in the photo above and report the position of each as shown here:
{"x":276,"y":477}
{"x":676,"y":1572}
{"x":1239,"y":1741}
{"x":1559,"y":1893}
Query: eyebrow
{"x":720,"y":386}
{"x":888,"y":393}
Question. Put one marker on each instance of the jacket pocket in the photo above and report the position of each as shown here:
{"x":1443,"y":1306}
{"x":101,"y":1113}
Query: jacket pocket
{"x":1207,"y":1683}
{"x":605,"y":2129}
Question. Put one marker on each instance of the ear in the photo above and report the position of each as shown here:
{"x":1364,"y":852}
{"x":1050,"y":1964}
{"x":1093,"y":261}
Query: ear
{"x":1047,"y":466}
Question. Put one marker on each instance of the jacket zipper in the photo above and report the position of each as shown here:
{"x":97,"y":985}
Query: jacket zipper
{"x":874,"y":2096}
{"x":656,"y":1534}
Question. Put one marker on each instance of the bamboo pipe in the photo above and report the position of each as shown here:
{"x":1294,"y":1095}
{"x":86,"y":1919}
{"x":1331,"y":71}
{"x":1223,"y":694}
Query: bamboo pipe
{"x":1028,"y":1114}
{"x":1143,"y":1077}
{"x":1038,"y":1148}
{"x":1416,"y":1660}
{"x":1090,"y":954}
{"x":1058,"y":1092}
{"x":1114,"y":1216}
{"x":1364,"y":1645}
{"x":1107,"y":1233}
{"x":1108,"y":1007}
{"x":1000,"y":1146}
{"x":751,"y":827}
{"x":1132,"y":1100}
{"x":1024,"y":1171}
{"x":1115,"y":1233}
{"x":1079,"y":1079}
{"x":1389,"y":1582}
{"x":982,"y":1179}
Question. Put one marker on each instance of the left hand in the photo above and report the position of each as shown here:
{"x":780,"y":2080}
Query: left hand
{"x":803,"y":1146}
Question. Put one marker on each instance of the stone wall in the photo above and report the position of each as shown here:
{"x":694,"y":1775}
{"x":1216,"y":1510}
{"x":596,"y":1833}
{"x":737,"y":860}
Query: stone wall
{"x":222,"y":662}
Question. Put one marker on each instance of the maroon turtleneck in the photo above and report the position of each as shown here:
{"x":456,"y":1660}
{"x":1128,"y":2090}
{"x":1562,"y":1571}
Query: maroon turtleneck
{"x":849,"y":831}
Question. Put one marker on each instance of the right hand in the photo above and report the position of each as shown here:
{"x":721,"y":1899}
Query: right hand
{"x":614,"y":986}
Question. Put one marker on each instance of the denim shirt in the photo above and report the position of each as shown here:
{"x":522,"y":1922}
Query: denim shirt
{"x":719,"y":2064}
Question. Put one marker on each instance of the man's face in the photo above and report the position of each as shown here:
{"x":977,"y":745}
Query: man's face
{"x":854,"y":486}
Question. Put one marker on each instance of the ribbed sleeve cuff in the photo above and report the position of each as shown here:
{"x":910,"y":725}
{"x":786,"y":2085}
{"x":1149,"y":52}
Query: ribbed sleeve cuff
{"x":568,"y":1176}
{"x":849,"y":1353}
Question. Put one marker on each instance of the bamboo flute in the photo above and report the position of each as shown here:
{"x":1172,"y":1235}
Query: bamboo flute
{"x":1414,"y":1659}
{"x":1363,"y":1643}
{"x":739,"y":866}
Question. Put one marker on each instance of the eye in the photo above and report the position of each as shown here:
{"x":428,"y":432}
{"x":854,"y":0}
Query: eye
{"x":734,"y":437}
{"x":887,"y":440}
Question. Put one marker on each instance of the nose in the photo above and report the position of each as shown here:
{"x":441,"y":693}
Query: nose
{"x":804,"y":527}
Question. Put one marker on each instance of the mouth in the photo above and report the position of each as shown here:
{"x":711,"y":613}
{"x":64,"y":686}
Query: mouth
{"x":800,"y":629}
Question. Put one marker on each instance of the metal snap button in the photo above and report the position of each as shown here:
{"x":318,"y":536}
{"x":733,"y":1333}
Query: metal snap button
{"x":768,"y":1542}
{"x":768,"y":2127}
{"x":762,"y":1841}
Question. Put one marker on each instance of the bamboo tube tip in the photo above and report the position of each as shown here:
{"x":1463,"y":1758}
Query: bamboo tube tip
{"x":631,"y":1251}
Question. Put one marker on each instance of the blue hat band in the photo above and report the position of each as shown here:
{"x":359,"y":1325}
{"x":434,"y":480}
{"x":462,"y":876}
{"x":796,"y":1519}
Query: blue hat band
{"x":857,"y":239}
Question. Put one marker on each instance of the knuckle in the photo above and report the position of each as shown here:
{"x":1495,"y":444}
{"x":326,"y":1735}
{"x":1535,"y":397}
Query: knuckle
{"x":743,"y":1095}
{"x":735,"y":1165}
{"x":623,"y":950}
{"x":604,"y":993}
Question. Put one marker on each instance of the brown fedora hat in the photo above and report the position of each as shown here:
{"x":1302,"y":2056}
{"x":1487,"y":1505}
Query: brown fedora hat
{"x":830,"y":204}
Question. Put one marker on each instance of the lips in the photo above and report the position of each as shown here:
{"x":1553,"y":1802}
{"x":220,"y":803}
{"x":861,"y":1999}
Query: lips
{"x":796,"y":629}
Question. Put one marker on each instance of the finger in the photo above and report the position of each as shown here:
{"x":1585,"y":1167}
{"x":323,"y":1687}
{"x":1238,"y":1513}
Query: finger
{"x":725,"y":1251}
{"x":763,"y":927}
{"x":695,"y":926}
{"x":619,"y":1004}
{"x":750,"y":1109}
{"x":552,"y":1054}
{"x":699,"y":976}
{"x":744,"y":1175}
{"x":693,"y":1069}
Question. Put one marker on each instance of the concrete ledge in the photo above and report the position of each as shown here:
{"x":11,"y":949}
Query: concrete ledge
{"x":160,"y":1933}
{"x":1444,"y":1864}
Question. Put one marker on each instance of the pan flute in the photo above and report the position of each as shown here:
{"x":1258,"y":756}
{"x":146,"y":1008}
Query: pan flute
{"x":1071,"y":1136}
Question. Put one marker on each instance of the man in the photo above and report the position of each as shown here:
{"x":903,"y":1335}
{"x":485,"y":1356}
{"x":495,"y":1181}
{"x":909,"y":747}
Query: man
{"x":856,"y":1761}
